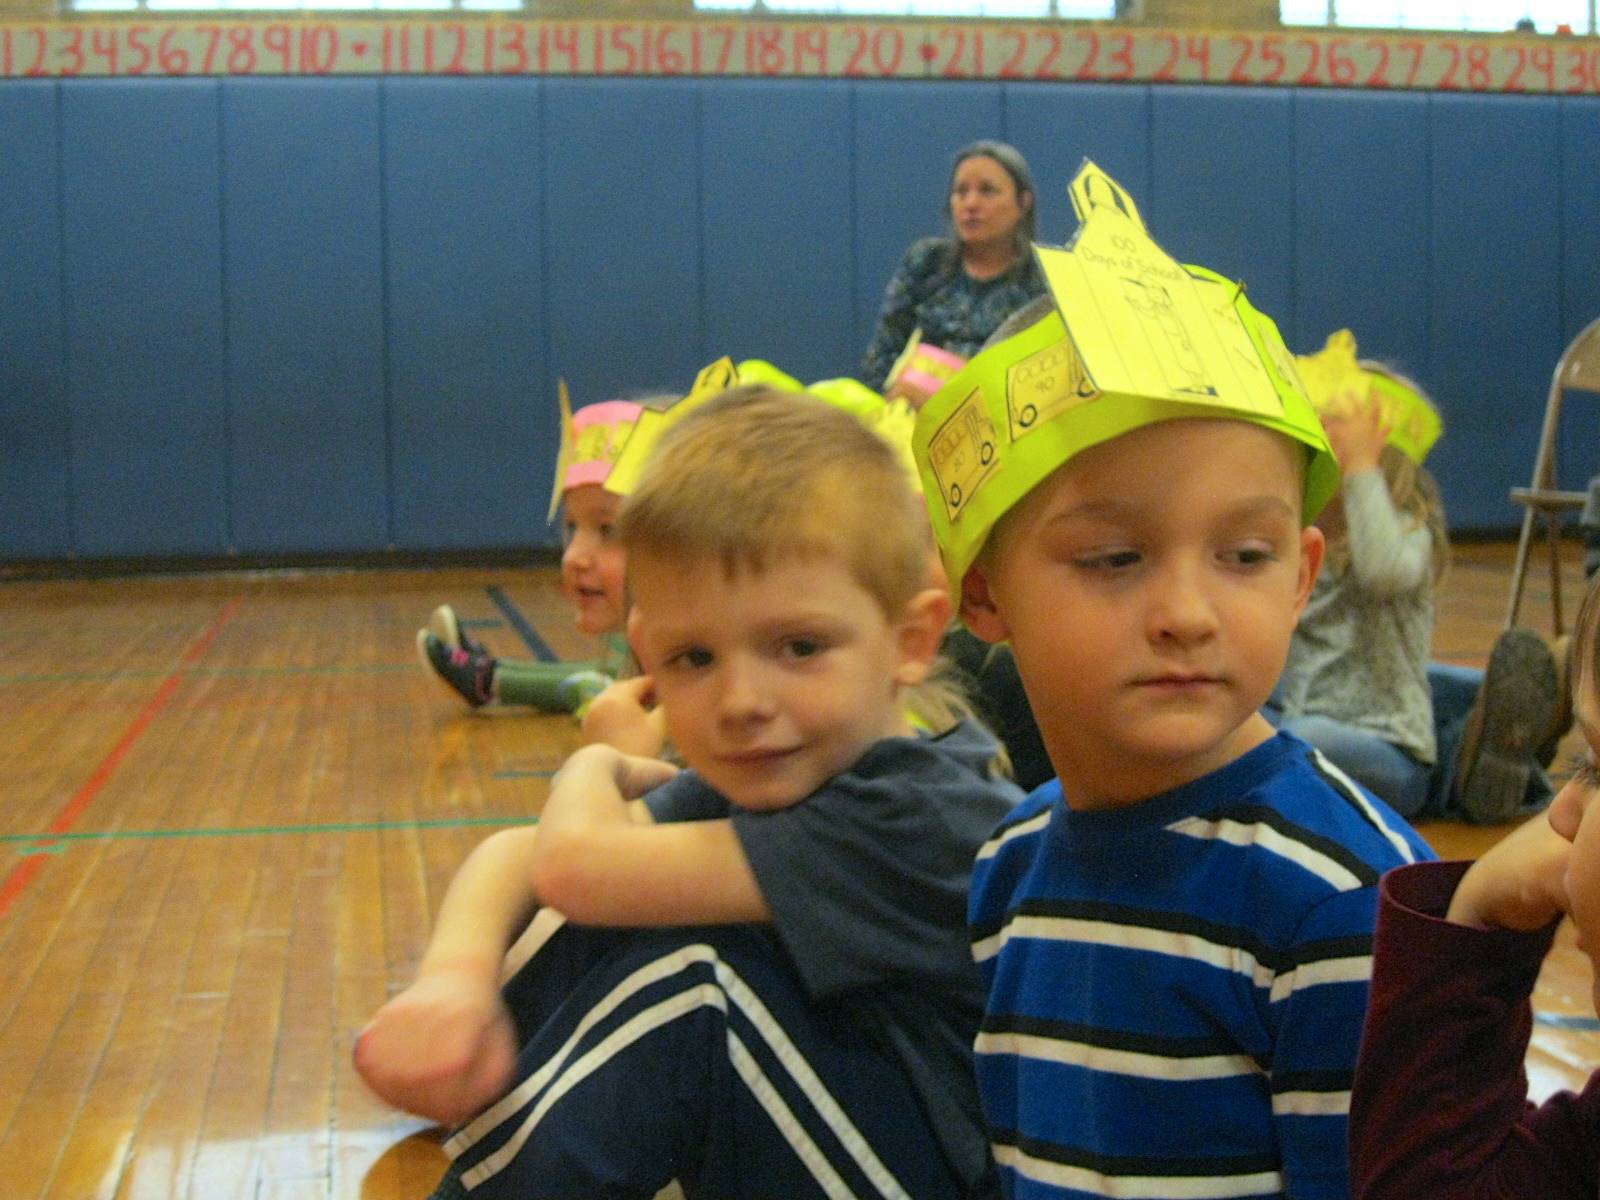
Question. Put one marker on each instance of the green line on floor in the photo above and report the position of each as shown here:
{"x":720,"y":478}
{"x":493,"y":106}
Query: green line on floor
{"x":46,"y":842}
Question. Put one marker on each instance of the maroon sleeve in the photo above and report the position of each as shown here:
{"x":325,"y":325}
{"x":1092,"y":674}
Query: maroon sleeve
{"x":1439,"y":1105}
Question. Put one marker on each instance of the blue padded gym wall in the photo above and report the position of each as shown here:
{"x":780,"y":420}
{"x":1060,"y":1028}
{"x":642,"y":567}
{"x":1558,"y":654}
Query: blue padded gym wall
{"x":35,"y":477}
{"x":322,"y":316}
{"x":472,"y":424}
{"x":303,"y":264}
{"x":781,"y":148}
{"x":141,"y":207}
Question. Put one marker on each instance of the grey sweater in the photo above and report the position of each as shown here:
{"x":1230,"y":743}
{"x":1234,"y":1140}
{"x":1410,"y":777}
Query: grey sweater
{"x":1360,"y":652}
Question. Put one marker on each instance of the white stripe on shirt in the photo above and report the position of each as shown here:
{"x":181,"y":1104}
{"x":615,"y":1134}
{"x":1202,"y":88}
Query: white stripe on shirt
{"x":1263,"y":836}
{"x":1116,"y":1061}
{"x":1140,"y":1187}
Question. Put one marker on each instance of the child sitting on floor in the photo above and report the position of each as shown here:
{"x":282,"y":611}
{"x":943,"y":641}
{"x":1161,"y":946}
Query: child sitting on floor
{"x":592,"y":568}
{"x":1358,"y":684}
{"x":763,"y":988}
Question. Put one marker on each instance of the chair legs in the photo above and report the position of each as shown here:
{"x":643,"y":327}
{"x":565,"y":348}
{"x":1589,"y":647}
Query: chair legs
{"x":1553,"y":531}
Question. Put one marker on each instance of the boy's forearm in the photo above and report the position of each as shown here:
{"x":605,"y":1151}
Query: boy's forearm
{"x":585,"y":807}
{"x":486,"y":906}
{"x":585,"y":794}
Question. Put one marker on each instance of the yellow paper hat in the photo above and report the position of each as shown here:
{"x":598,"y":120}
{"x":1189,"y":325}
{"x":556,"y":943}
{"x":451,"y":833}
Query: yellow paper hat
{"x":591,"y":439}
{"x":607,"y":443}
{"x":1336,"y":382}
{"x":891,"y":420}
{"x":1136,"y":338}
{"x":924,"y":365}
{"x":651,"y":425}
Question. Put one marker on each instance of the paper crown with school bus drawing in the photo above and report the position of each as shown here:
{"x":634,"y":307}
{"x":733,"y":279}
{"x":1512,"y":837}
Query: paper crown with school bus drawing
{"x":1135,"y":338}
{"x":1338,"y":384}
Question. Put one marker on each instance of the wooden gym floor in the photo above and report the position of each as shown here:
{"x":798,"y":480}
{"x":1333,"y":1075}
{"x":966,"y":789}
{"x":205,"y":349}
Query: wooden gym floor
{"x":231,"y":803}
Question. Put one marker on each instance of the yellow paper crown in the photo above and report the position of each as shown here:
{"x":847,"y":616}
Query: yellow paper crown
{"x":607,"y":443}
{"x":924,"y":365}
{"x":591,"y":439}
{"x":892,"y":420}
{"x":1136,"y":338}
{"x":1337,"y":383}
{"x":712,"y":380}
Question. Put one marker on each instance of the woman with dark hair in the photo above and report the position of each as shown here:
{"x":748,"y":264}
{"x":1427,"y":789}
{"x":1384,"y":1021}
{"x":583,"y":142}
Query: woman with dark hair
{"x":954,"y":291}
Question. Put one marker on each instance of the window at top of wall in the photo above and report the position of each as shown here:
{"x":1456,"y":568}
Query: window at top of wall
{"x":1085,"y":9}
{"x":1478,"y":16}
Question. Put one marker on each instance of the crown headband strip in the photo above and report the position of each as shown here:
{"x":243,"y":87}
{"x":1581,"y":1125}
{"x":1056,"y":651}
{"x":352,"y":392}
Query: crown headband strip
{"x":1136,"y":338}
{"x":600,"y":431}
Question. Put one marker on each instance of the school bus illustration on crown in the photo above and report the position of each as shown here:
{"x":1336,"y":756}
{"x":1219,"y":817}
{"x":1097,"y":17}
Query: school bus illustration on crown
{"x":963,"y":452}
{"x":1044,"y":385}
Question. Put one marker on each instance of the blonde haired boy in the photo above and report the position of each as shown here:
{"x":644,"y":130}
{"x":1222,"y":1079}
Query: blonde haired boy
{"x":764,"y":987}
{"x":1176,"y":931}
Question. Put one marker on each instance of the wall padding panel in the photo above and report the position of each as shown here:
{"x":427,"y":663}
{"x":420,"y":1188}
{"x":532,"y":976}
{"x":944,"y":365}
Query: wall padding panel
{"x":777,"y":216}
{"x":1223,"y":189}
{"x":1495,"y":328}
{"x":1361,"y":224}
{"x":303,"y":258}
{"x":1580,"y":274}
{"x":146,"y":377}
{"x":471,"y":402}
{"x":35,"y":484}
{"x":623,"y":171}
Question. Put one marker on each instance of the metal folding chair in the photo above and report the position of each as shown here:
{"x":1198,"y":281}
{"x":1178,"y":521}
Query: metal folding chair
{"x":1578,"y":370}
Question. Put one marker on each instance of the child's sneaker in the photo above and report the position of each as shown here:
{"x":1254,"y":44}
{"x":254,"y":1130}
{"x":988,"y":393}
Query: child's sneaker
{"x":1515,"y":711}
{"x":467,"y":673}
{"x":446,"y":626}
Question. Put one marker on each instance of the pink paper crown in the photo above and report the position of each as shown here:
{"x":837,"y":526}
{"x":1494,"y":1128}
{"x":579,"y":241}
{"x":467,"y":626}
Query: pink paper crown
{"x":598,"y":433}
{"x":930,"y":368}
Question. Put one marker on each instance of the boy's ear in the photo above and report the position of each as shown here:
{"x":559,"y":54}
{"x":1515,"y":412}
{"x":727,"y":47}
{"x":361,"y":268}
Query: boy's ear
{"x":1312,"y":546}
{"x":921,"y":634}
{"x":633,"y":633}
{"x":978,"y":608}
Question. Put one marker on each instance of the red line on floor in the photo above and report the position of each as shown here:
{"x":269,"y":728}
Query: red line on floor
{"x":19,"y":879}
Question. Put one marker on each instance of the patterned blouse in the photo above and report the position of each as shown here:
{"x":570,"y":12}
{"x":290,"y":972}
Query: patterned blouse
{"x":955,"y":312}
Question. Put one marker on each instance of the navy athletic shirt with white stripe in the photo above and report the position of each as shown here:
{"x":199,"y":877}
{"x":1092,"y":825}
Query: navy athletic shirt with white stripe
{"x":1176,"y":988}
{"x":868,"y":881}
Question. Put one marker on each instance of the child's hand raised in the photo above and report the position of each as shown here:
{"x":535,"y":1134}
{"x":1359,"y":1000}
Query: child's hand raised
{"x":1518,"y":883}
{"x":1357,"y":429}
{"x":444,"y":1048}
{"x":625,"y":716}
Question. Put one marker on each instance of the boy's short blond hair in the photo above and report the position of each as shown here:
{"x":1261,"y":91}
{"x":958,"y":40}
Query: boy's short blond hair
{"x":756,"y":475}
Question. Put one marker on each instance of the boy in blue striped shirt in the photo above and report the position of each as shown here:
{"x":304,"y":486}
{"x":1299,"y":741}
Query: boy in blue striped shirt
{"x":1176,"y":932}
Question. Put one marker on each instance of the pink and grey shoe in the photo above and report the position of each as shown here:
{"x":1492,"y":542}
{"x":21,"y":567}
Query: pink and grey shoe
{"x":467,"y":670}
{"x":446,"y":626}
